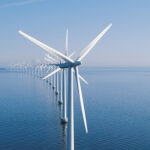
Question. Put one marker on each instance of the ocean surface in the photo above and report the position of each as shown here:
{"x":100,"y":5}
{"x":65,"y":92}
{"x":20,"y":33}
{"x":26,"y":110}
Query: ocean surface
{"x":117,"y":106}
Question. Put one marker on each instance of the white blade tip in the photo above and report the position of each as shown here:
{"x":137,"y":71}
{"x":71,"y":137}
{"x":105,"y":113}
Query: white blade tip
{"x":20,"y":31}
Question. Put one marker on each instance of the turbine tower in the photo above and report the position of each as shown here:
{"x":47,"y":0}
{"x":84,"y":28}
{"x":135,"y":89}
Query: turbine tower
{"x":64,"y":118}
{"x":71,"y":65}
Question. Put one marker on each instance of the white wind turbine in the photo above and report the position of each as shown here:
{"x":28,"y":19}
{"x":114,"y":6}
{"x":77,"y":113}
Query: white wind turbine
{"x":71,"y":65}
{"x":64,"y":118}
{"x":55,"y":78}
{"x":58,"y":79}
{"x":62,"y":93}
{"x":48,"y":59}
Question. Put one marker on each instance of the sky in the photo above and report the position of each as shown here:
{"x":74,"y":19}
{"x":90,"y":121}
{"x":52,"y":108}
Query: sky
{"x":127,"y":43}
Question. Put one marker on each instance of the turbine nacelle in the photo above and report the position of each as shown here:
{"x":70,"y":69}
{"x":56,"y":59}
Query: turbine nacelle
{"x":68,"y":64}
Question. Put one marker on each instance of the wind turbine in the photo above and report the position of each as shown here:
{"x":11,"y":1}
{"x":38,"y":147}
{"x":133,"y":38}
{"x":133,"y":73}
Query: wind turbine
{"x":62,"y":94}
{"x":71,"y":65}
{"x":64,"y":118}
{"x":49,"y":67}
{"x":54,"y":61}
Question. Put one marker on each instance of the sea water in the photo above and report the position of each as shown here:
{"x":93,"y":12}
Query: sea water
{"x":117,"y":106}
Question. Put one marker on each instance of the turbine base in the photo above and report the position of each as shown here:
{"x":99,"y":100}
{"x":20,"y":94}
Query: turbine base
{"x":64,"y":120}
{"x":60,"y":102}
{"x":56,"y":92}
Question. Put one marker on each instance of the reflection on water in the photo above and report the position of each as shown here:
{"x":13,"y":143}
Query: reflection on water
{"x":117,"y":105}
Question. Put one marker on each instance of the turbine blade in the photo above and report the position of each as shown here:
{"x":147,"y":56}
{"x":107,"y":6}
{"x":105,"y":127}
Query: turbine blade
{"x":51,"y":63}
{"x":71,"y":54}
{"x":45,"y":58}
{"x":81,"y":98}
{"x":58,"y":69}
{"x":93,"y":43}
{"x":47,"y":48}
{"x":66,"y":48}
{"x":83,"y":79}
{"x":52,"y":59}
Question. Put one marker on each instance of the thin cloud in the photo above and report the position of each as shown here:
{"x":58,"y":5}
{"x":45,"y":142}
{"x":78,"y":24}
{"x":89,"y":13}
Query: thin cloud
{"x":21,"y":3}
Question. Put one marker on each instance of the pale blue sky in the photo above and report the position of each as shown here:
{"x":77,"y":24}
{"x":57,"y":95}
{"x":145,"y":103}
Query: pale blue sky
{"x":127,"y":43}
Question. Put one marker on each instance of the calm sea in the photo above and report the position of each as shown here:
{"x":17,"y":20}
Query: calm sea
{"x":117,"y":105}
